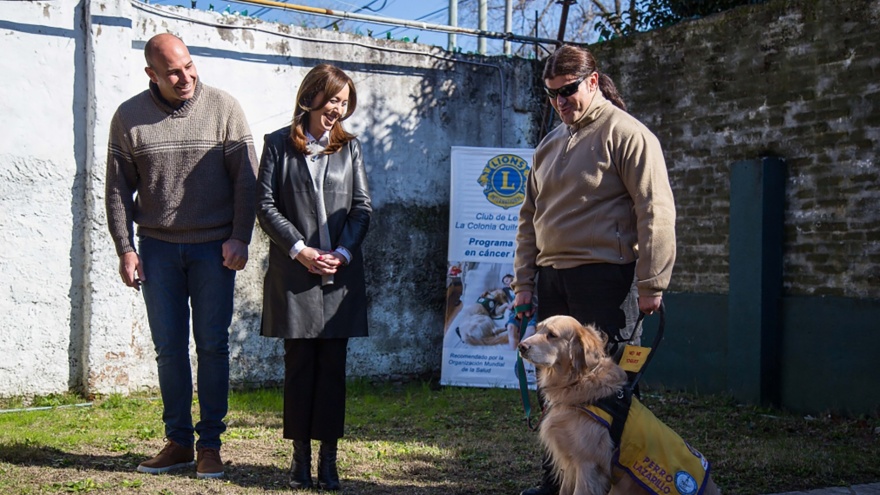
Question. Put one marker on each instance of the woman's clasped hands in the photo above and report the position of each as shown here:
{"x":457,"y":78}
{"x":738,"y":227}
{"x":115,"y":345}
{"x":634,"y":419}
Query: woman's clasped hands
{"x":320,"y":262}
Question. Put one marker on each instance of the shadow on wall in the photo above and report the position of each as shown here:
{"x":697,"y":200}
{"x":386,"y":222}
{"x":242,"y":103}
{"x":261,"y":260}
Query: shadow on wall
{"x":406,"y":125}
{"x":409,"y":151}
{"x":254,"y":361}
{"x":410,"y":114}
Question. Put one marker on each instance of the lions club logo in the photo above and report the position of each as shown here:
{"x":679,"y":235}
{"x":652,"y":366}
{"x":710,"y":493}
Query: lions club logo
{"x":685,"y":483}
{"x":504,"y":180}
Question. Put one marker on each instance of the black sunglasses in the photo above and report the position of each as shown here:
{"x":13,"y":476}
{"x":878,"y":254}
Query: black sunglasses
{"x":565,"y":91}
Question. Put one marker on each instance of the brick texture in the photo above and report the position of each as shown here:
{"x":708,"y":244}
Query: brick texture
{"x":795,"y":79}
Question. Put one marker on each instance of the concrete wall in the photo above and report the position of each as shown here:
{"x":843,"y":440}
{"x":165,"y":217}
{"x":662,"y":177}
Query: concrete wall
{"x":42,"y":196}
{"x":797,"y":79}
{"x":69,"y":323}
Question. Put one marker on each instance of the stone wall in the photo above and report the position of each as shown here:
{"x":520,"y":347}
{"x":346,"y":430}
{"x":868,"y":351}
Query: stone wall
{"x":798,"y":80}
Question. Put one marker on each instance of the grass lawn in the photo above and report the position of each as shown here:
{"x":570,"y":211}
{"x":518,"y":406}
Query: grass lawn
{"x":413,"y":439}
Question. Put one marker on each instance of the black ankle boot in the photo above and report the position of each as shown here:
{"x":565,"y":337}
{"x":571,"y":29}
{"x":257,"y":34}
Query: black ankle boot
{"x":301,"y":466}
{"x":327,"y":475}
{"x":549,"y":484}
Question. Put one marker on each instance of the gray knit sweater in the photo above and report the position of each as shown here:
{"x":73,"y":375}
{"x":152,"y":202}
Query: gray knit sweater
{"x":184,"y":175}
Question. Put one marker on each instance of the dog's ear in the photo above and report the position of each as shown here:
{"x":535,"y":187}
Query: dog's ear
{"x":587,"y":347}
{"x":578,"y":350}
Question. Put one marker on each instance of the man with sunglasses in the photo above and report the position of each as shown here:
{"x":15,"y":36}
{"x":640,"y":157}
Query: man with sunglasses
{"x":596,"y":233}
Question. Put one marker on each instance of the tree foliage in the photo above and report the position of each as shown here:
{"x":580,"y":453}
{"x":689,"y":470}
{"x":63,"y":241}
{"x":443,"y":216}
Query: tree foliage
{"x":593,"y":20}
{"x":644,"y":15}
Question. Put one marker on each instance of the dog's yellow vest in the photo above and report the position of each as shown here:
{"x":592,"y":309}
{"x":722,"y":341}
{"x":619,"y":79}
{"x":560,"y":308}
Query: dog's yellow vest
{"x":654,"y":455}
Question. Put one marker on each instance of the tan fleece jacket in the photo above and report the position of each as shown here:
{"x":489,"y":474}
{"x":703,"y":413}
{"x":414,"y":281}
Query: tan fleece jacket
{"x":598,"y":192}
{"x":185,"y":175}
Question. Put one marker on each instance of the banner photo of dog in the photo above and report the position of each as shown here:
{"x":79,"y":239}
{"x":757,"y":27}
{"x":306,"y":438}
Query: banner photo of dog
{"x":480,"y":329}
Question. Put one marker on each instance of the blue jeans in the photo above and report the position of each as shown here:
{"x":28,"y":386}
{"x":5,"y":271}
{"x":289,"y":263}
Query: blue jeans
{"x":179,"y":276}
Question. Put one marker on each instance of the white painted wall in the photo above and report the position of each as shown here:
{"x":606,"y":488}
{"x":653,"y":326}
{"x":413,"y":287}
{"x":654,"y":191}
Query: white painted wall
{"x":41,"y":187}
{"x":66,"y":320}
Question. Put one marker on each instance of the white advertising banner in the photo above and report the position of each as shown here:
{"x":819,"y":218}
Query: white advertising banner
{"x":487,"y":188}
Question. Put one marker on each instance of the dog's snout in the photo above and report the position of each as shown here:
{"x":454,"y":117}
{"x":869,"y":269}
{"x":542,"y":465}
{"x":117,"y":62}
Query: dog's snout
{"x":523,"y":348}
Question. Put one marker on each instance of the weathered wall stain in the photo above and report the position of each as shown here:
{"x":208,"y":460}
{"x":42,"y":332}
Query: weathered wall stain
{"x":797,"y":79}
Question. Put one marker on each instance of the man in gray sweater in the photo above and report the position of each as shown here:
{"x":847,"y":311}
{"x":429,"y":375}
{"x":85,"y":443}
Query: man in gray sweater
{"x":181,"y":165}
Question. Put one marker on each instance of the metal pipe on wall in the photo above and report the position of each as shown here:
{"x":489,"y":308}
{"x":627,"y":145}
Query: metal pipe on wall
{"x":484,"y":24}
{"x":453,"y":21}
{"x":508,"y":24}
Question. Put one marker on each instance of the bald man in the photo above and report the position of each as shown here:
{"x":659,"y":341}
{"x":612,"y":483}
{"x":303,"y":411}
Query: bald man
{"x":181,"y":165}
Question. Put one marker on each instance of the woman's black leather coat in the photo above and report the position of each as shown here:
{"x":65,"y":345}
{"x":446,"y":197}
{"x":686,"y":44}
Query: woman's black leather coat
{"x":295,"y":305}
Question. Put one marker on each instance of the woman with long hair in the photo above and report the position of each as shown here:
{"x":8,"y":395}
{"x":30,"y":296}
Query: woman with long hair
{"x":314,"y":204}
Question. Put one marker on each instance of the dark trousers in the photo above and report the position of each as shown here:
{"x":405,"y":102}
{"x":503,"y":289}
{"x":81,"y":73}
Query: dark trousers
{"x":314,"y":389}
{"x":601,"y":294}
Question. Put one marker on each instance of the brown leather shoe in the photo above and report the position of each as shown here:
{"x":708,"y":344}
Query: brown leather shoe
{"x":209,"y":464}
{"x":172,"y":456}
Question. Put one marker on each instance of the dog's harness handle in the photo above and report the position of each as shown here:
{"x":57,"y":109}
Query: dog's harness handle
{"x":634,"y":380}
{"x":617,"y":406}
{"x":520,"y":368}
{"x":616,"y":339}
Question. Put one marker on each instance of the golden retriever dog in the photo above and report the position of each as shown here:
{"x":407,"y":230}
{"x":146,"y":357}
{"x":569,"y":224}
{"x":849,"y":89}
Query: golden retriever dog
{"x":477,"y":322}
{"x":574,"y":371}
